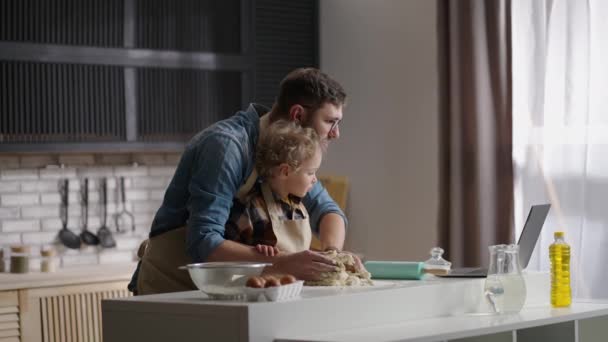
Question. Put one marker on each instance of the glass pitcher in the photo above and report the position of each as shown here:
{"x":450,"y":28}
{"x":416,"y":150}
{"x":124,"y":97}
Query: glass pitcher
{"x":505,"y":288}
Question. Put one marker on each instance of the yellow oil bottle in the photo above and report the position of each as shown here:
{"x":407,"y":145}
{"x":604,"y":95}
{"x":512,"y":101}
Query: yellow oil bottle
{"x":559,"y":253}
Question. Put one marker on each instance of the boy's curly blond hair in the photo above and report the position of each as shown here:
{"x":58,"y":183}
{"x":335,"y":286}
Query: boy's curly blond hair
{"x":285,"y":142}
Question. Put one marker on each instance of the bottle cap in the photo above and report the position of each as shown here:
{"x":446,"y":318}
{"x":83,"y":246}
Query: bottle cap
{"x":558,"y":235}
{"x":20,"y":249}
{"x":47,"y":252}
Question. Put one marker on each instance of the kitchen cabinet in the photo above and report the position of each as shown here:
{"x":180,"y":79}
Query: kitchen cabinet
{"x":9,"y":316}
{"x":141,"y":75}
{"x":62,"y":306}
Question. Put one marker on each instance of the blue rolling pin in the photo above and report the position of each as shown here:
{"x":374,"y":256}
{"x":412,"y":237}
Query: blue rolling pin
{"x":395,"y":269}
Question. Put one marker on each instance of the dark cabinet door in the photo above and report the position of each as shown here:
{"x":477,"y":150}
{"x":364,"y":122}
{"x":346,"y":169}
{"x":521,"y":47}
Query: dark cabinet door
{"x":286,"y":37}
{"x":131,"y":75}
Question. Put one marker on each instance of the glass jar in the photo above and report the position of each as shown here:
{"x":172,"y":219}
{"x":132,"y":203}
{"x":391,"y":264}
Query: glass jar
{"x":505,"y":287}
{"x":1,"y":260}
{"x":436,"y":264}
{"x":48,"y":260}
{"x":20,"y":259}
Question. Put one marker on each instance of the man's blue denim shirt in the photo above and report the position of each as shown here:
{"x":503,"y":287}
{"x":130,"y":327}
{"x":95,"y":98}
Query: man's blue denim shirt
{"x":214,"y":165}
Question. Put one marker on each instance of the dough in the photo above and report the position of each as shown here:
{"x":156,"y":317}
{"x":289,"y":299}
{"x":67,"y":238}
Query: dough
{"x":347,"y":274}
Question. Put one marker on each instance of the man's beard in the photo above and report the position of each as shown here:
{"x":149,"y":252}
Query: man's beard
{"x":324,"y":142}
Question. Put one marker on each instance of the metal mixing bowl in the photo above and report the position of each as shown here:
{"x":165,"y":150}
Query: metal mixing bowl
{"x":210,"y":275}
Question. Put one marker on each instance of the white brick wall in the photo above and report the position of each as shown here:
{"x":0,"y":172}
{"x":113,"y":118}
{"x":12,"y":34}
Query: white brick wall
{"x":14,"y":200}
{"x":162,"y":171}
{"x":29,"y":200}
{"x":51,"y":224}
{"x":9,"y":187}
{"x":115,"y":256}
{"x":141,"y":207}
{"x":127,"y":242}
{"x":79,"y":260}
{"x":18,"y":174}
{"x":10,"y":239}
{"x":131,"y":171}
{"x":40,"y":186}
{"x":57,"y":173}
{"x":156,"y":195}
{"x":153,"y":182}
{"x":40,"y":211}
{"x":38,"y":238}
{"x":11,"y":226}
{"x":9,"y":213}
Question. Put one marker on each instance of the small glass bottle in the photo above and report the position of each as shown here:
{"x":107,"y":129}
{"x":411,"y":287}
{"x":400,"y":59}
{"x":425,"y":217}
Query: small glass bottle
{"x":436,"y":264}
{"x":48,"y":261}
{"x":20,"y":259}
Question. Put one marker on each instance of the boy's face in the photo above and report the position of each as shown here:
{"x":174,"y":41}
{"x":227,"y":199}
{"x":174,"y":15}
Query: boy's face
{"x":299,"y":182}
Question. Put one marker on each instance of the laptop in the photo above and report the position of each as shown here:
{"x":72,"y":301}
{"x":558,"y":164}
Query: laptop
{"x":527,"y":241}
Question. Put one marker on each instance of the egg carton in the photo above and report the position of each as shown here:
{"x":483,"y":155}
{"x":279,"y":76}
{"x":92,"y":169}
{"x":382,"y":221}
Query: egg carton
{"x":217,"y":292}
{"x":275,"y":293}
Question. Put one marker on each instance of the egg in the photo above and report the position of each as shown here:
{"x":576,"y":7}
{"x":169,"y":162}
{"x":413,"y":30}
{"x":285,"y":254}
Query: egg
{"x":271,"y":282}
{"x":288,"y":279}
{"x":255,"y":282}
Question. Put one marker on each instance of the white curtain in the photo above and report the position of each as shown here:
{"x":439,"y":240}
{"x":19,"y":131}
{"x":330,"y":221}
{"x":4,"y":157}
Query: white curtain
{"x":560,"y":131}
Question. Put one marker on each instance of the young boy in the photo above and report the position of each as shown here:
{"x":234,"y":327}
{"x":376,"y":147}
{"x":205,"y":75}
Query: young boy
{"x":271,"y":216}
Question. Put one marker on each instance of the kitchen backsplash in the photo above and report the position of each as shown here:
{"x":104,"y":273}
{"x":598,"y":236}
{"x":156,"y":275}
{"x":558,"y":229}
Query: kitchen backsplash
{"x":30,"y":201}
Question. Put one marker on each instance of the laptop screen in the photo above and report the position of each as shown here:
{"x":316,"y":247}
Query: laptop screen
{"x":531,"y":232}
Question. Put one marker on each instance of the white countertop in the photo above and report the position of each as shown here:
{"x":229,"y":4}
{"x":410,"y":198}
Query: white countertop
{"x":436,"y":288}
{"x":67,"y":276}
{"x":406,"y":309}
{"x":455,"y":327}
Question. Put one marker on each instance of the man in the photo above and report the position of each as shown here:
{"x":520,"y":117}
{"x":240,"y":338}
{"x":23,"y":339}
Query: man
{"x":217,"y":166}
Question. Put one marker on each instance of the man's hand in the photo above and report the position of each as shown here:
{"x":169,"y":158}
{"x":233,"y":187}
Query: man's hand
{"x":358,"y":267}
{"x":358,"y":263}
{"x":267,"y":250}
{"x":305,"y":265}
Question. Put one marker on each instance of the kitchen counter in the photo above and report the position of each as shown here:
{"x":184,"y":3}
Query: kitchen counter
{"x":526,"y":325}
{"x":434,"y":309}
{"x":67,"y":276}
{"x":463,"y":326}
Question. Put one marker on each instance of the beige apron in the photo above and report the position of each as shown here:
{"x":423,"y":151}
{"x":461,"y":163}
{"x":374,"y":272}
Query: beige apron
{"x":163,"y":254}
{"x":292,"y":235}
{"x":159,"y":270}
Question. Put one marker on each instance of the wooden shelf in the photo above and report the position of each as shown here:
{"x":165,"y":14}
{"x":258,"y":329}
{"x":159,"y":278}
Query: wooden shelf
{"x":69,"y":276}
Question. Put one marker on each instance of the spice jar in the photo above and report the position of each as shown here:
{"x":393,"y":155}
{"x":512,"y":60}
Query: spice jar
{"x":1,"y":260}
{"x":48,"y":261}
{"x":20,"y":259}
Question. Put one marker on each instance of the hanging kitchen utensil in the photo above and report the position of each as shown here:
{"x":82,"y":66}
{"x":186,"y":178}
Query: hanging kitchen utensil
{"x":66,"y":236}
{"x":85,"y":235}
{"x":124,"y":216}
{"x":104,"y":234}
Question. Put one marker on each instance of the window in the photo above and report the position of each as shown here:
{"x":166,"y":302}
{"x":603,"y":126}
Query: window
{"x":560,"y":120}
